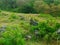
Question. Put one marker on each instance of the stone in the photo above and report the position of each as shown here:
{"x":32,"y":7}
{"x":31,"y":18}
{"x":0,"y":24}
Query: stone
{"x":28,"y":37}
{"x":36,"y":32}
{"x":2,"y":28}
{"x":33,"y":22}
{"x":58,"y":31}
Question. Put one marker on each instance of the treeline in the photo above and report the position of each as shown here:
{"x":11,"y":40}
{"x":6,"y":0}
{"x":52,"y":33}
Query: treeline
{"x":32,"y":6}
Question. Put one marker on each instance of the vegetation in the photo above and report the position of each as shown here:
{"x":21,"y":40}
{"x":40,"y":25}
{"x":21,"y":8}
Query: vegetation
{"x":30,"y":22}
{"x":18,"y":28}
{"x":32,"y":6}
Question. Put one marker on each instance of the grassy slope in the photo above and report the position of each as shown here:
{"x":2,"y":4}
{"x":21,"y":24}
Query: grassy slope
{"x":6,"y":19}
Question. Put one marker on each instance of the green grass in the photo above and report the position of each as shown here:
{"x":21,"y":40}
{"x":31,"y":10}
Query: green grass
{"x":18,"y":26}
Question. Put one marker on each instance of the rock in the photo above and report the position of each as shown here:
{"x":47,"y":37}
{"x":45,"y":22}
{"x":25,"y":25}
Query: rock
{"x":58,"y":31}
{"x":33,"y":22}
{"x":36,"y":32}
{"x":3,"y":28}
{"x":28,"y":37}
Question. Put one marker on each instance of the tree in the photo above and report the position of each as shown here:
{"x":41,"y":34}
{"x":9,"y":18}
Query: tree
{"x":41,"y":7}
{"x":55,"y":10}
{"x":7,"y":4}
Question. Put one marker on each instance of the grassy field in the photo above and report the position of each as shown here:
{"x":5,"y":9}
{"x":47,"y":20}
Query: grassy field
{"x":21,"y":22}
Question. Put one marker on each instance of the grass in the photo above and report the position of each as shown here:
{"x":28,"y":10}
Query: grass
{"x":18,"y":25}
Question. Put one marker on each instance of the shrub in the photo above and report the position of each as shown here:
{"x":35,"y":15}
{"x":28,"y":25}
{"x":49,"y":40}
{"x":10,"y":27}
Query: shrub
{"x":12,"y":36}
{"x":46,"y":29}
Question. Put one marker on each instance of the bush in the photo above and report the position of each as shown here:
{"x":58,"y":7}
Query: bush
{"x":12,"y":36}
{"x":13,"y":17}
{"x":28,"y":9}
{"x":46,"y":30}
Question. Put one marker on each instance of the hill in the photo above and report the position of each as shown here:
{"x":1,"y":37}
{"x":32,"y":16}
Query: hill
{"x":19,"y":28}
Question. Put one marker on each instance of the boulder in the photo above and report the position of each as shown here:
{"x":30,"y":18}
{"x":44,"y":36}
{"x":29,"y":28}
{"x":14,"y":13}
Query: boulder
{"x":33,"y":22}
{"x":28,"y":37}
{"x":3,"y":28}
{"x":58,"y":31}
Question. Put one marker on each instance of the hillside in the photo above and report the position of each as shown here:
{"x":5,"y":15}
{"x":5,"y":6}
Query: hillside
{"x":6,"y":17}
{"x":15,"y":23}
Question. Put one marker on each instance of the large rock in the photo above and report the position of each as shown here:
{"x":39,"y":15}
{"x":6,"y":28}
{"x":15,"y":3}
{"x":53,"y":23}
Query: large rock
{"x":33,"y":22}
{"x":36,"y":33}
{"x":3,"y":28}
{"x":58,"y":31}
{"x":28,"y":37}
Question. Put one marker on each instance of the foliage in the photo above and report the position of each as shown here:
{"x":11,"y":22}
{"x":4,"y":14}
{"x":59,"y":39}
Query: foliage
{"x":32,"y":6}
{"x":12,"y":36}
{"x":18,"y":31}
